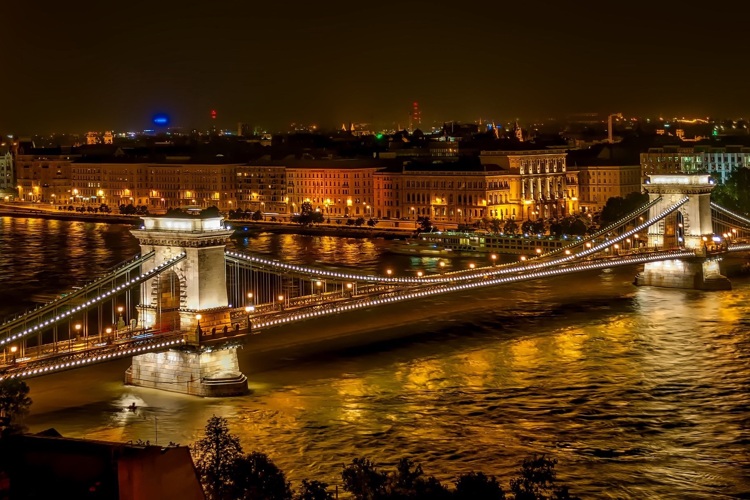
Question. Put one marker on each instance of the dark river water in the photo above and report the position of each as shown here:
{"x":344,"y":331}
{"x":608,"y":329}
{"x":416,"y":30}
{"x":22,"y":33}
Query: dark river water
{"x":637,"y":392}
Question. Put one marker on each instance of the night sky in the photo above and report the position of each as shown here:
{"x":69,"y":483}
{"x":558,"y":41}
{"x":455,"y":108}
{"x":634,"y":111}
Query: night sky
{"x":75,"y":66}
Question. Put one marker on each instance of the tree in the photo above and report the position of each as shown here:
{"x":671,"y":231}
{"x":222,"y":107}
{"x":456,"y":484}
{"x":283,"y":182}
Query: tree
{"x":359,"y":222}
{"x":539,"y":227}
{"x":527,"y":226}
{"x":536,"y":481}
{"x":257,"y":215}
{"x":496,"y":225}
{"x":256,"y":476}
{"x":14,"y":404}
{"x":424,"y":224}
{"x":313,"y":490}
{"x":371,"y":222}
{"x":617,"y":207}
{"x":409,"y":482}
{"x":215,"y":457}
{"x":363,"y":480}
{"x":212,"y":211}
{"x":510,"y":227}
{"x":734,"y":193}
{"x":477,"y":486}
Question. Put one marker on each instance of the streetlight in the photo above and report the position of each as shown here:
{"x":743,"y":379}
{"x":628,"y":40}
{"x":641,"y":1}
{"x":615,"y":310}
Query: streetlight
{"x":523,"y":258}
{"x":281,"y":302}
{"x":388,"y":272}
{"x":494,"y":258}
{"x":442,"y":265}
{"x":13,"y":350}
{"x":108,"y":331}
{"x":249,"y":310}
{"x":319,"y":284}
{"x":617,"y":247}
{"x":78,"y":327}
{"x":250,"y":296}
{"x":539,"y":251}
{"x":120,"y":320}
{"x":419,"y":274}
{"x":349,"y":288}
{"x":471,"y":265}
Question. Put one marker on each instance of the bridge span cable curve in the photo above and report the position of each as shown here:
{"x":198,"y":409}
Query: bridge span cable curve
{"x":47,"y":321}
{"x":116,"y":272}
{"x":731,"y":214}
{"x":238,"y":257}
{"x":612,"y":227}
{"x":391,"y":297}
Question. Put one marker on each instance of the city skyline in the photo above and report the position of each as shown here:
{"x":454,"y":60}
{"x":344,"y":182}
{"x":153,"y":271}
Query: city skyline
{"x":74,"y":68}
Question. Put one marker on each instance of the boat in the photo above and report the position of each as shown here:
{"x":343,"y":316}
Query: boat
{"x":476,"y":244}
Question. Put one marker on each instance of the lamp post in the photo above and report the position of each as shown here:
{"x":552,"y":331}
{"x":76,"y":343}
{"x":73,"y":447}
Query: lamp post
{"x":78,"y":330}
{"x":420,"y":274}
{"x":319,"y":285}
{"x":349,"y":289}
{"x":472,"y":265}
{"x":617,"y":249}
{"x":120,"y":320}
{"x":281,"y":302}
{"x":441,"y":264}
{"x":198,"y":327}
{"x":108,"y":330}
{"x":249,"y":310}
{"x":388,"y":272}
{"x":494,"y":259}
{"x":13,"y":350}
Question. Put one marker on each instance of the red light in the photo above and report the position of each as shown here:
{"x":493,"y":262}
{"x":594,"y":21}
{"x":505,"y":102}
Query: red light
{"x":213,"y":114}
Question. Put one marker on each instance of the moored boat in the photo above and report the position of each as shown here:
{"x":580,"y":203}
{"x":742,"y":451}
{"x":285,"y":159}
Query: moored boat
{"x":478,"y":244}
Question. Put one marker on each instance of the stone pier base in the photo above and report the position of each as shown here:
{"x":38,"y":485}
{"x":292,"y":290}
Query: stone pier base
{"x":696,"y":274}
{"x":206,"y":374}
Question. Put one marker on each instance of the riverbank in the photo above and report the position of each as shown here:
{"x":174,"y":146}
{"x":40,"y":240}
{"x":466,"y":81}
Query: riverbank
{"x":41,"y":212}
{"x":242,"y":227}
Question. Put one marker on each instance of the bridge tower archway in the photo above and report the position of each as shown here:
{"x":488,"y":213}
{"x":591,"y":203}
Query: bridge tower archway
{"x":690,"y":227}
{"x":193,"y":285}
{"x":686,"y":227}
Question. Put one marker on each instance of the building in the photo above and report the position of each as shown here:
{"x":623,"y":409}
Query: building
{"x":720,"y":162}
{"x":542,"y":176}
{"x":49,"y":466}
{"x":44,"y":174}
{"x":598,"y":183}
{"x":501,"y":184}
{"x":7,"y":177}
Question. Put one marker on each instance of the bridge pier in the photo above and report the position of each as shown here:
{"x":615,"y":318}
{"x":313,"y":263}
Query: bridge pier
{"x":698,"y":274}
{"x":205,"y":373}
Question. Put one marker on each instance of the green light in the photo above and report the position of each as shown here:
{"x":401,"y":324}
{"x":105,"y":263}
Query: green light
{"x":378,"y":136}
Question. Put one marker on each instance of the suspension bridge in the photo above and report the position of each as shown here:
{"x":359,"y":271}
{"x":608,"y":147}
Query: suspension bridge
{"x":182,"y":307}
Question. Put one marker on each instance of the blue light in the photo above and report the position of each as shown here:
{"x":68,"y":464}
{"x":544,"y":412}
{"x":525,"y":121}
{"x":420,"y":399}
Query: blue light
{"x":161,"y":119}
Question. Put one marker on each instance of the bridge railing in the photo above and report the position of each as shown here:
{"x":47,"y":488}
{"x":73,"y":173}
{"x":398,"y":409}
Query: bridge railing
{"x":40,"y":321}
{"x":117,"y":272}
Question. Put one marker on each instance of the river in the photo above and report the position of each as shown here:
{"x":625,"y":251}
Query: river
{"x":637,"y":392}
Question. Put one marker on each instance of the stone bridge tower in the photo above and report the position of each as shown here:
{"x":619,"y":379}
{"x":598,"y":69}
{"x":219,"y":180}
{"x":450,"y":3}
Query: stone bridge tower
{"x":689,"y":227}
{"x":191,"y":297}
{"x":195,"y":285}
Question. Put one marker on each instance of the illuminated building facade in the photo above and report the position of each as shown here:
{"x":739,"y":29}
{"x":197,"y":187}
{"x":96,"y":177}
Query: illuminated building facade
{"x":518,"y":185}
{"x":719,"y":162}
{"x":336,"y":188}
{"x":7,"y":181}
{"x":599,"y":183}
{"x":43,"y":175}
{"x":542,"y":175}
{"x":261,"y":187}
